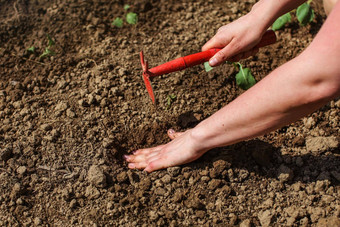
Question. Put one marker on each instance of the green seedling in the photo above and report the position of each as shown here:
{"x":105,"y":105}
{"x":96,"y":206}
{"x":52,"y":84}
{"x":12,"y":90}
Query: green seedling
{"x":207,"y":67}
{"x":305,"y":14}
{"x":50,"y":41}
{"x":281,"y":21}
{"x":31,"y":49}
{"x":126,"y":7}
{"x":48,"y":52}
{"x":169,"y":100}
{"x":118,"y":22}
{"x":131,"y":18}
{"x":244,"y":78}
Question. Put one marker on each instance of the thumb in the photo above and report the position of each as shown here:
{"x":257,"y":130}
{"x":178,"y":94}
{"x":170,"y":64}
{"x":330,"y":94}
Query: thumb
{"x":173,"y":134}
{"x":226,"y":53}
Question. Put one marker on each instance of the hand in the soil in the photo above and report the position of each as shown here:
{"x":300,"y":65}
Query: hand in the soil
{"x":237,"y":39}
{"x":182,"y":149}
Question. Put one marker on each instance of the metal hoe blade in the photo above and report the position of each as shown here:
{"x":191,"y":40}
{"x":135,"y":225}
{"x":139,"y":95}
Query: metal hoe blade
{"x":146,"y":77}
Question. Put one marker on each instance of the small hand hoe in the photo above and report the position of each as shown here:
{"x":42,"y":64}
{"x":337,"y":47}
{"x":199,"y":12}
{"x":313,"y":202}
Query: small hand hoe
{"x":188,"y":61}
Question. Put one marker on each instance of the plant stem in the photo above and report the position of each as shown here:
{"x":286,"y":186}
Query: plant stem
{"x":236,"y":65}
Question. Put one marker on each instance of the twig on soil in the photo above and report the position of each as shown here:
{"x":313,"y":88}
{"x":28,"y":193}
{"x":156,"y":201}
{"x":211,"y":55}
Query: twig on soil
{"x":16,"y":10}
{"x":48,"y":168}
{"x":34,"y":61}
{"x":27,"y":59}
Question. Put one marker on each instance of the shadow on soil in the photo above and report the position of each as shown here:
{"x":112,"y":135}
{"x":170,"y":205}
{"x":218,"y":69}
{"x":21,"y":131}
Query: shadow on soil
{"x":265,"y":160}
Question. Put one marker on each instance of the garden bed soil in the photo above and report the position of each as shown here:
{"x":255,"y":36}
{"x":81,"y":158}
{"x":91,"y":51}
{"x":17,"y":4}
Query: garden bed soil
{"x":67,"y":121}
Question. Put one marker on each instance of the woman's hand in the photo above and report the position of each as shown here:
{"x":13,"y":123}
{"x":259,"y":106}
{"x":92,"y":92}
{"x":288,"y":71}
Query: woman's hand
{"x":182,"y":149}
{"x":237,"y":39}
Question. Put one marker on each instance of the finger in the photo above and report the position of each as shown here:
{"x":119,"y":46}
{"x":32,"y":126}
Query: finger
{"x":232,"y":49}
{"x":144,"y":163}
{"x":173,"y":134}
{"x":137,"y":165}
{"x":147,"y":150}
{"x":216,"y":42}
{"x":159,"y":163}
{"x":136,"y":158}
{"x":142,"y":154}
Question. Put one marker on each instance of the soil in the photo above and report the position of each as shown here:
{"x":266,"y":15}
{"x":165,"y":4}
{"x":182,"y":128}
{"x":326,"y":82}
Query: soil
{"x":67,"y":120}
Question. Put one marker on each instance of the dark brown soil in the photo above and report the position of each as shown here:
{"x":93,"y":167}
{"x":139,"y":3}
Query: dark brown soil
{"x":67,"y":120}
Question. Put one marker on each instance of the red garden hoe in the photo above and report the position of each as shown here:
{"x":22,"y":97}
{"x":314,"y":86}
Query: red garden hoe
{"x":181,"y":63}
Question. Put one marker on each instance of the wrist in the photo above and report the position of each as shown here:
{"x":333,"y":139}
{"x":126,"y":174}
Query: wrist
{"x":264,"y":13}
{"x":201,"y":138}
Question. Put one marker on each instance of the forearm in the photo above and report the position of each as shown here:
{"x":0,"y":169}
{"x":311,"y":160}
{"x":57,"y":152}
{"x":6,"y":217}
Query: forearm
{"x":277,"y":100}
{"x":267,"y":11}
{"x":292,"y":91}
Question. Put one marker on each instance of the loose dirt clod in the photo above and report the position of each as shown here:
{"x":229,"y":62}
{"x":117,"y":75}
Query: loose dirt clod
{"x":96,"y":176}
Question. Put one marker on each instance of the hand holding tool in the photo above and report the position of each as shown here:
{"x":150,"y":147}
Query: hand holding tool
{"x":181,"y":63}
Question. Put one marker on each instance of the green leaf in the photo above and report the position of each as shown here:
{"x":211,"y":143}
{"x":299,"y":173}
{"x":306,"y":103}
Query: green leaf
{"x":305,"y":14}
{"x":207,"y":67}
{"x":126,"y":7}
{"x":281,"y":21}
{"x":50,"y":41}
{"x":172,"y":96}
{"x":132,"y":18}
{"x":31,"y":49}
{"x":170,"y":99}
{"x":244,"y":78}
{"x":118,"y":22}
{"x":47,"y":53}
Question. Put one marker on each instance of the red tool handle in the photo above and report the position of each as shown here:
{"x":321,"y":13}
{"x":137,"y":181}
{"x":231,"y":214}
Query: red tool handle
{"x":181,"y":63}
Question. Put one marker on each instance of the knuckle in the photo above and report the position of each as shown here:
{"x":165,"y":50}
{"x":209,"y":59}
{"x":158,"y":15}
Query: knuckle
{"x":151,"y":166}
{"x":223,"y":55}
{"x":236,"y":46}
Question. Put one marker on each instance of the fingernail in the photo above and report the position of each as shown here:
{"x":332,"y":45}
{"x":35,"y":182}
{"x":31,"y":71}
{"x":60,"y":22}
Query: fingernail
{"x":131,"y":165}
{"x":171,"y":131}
{"x":212,"y":61}
{"x":126,"y":157}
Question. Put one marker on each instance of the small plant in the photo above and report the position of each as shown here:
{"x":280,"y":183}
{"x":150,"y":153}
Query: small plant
{"x":31,"y":49}
{"x":244,"y":77}
{"x":304,"y":14}
{"x":126,"y":7}
{"x":207,"y":67}
{"x":169,"y":100}
{"x":131,"y":18}
{"x":118,"y":22}
{"x":48,"y":51}
{"x":281,"y":21}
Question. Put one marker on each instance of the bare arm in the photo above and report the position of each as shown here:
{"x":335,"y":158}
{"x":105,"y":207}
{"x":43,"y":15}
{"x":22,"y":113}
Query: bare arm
{"x":239,"y":37}
{"x":290,"y":92}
